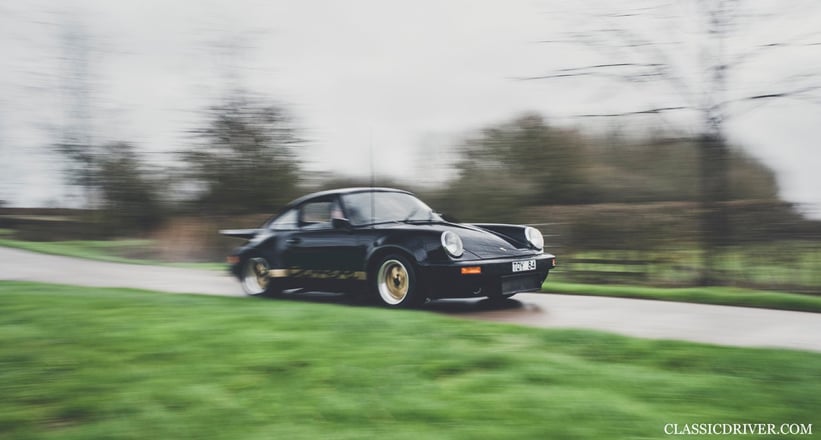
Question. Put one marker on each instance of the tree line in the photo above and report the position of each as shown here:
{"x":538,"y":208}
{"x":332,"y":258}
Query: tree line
{"x":246,"y":158}
{"x":528,"y":162}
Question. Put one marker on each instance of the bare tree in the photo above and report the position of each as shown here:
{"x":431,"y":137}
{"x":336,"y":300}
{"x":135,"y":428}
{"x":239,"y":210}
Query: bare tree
{"x":128,"y":195}
{"x":692,"y":74}
{"x":245,"y":157}
{"x":75,"y":139}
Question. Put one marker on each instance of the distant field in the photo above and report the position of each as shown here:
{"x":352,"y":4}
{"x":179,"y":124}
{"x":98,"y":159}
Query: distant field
{"x":129,"y":251}
{"x":780,"y":265}
{"x":728,"y":296}
{"x":84,"y":363}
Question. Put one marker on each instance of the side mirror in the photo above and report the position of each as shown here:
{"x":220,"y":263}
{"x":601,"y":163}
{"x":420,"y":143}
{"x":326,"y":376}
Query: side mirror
{"x":341,"y":223}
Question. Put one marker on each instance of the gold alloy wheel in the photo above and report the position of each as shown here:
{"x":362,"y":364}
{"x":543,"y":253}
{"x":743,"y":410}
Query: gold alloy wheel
{"x":393,"y":282}
{"x":255,"y":276}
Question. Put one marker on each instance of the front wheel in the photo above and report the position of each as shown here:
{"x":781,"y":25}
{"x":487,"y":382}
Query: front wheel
{"x":256,"y":278}
{"x":394,"y":282}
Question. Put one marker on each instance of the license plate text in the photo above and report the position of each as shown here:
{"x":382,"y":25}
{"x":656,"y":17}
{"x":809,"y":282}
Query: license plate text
{"x":521,"y":266}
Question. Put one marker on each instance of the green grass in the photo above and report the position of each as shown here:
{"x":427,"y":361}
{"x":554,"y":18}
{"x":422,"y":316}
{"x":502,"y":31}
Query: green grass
{"x":729,"y":296}
{"x":782,"y":268}
{"x":781,"y":263}
{"x":101,"y":250}
{"x":83,"y":363}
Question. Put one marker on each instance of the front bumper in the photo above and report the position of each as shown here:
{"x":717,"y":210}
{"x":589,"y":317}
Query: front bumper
{"x":496,"y":277}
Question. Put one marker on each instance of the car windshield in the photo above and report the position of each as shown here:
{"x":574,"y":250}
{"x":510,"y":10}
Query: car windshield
{"x":382,"y":206}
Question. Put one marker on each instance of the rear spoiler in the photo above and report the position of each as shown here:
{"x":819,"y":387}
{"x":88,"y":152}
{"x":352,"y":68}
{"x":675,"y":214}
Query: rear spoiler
{"x":240,"y":233}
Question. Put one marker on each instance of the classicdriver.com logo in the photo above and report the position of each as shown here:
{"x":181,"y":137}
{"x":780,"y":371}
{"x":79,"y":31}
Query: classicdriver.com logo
{"x":738,"y":429}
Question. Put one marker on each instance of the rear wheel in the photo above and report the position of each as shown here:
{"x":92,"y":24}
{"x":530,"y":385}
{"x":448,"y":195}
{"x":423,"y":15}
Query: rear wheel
{"x":256,"y":278}
{"x":394,"y":282}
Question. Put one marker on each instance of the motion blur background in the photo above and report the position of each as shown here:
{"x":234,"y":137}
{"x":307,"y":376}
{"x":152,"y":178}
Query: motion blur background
{"x":652,"y":142}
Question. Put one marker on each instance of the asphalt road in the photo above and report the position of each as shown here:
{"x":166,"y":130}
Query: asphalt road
{"x":737,"y":326}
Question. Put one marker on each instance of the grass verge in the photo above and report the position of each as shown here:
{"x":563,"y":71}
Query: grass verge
{"x":728,"y":296}
{"x":101,"y":250}
{"x":83,"y":363}
{"x":777,"y":263}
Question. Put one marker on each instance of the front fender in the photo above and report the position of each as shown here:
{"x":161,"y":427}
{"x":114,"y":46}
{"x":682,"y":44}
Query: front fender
{"x":421,"y":246}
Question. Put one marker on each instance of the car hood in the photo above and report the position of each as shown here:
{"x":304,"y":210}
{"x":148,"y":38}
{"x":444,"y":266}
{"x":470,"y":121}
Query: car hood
{"x":486,"y":244}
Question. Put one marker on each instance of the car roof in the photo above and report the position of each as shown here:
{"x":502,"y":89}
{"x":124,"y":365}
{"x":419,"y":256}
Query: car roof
{"x":340,"y":191}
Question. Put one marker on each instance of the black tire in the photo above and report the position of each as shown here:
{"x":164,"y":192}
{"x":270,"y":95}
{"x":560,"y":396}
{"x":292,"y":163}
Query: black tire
{"x":255,"y":278}
{"x":393,"y":282}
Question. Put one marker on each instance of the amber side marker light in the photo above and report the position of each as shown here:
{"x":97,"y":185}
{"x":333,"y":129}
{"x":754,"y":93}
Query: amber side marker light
{"x":232,"y":259}
{"x":471,"y":270}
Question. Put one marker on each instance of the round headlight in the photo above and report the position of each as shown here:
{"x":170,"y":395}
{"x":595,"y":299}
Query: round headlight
{"x":534,"y":237}
{"x":452,"y":244}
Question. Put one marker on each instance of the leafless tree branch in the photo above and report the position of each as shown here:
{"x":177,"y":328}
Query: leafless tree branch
{"x":764,"y":49}
{"x":650,"y":111}
{"x":783,"y":94}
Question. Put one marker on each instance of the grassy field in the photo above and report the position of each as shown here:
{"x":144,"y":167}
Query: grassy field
{"x":129,"y":251}
{"x":81,"y":363}
{"x":728,"y":296}
{"x":779,"y":264}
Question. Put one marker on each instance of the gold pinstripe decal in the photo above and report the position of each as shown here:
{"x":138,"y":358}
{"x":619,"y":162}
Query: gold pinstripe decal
{"x":296,"y":272}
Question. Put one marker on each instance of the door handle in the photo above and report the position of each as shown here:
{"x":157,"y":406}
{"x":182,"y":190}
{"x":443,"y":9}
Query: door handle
{"x":293,"y":240}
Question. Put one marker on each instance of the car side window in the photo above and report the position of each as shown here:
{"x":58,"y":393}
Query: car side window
{"x":318,"y":215}
{"x":286,"y":221}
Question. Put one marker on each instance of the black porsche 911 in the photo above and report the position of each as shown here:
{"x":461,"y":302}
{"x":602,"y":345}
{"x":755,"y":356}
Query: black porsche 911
{"x":389,"y":244}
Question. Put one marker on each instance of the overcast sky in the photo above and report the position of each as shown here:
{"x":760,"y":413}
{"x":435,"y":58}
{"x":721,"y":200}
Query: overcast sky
{"x":406,"y":79}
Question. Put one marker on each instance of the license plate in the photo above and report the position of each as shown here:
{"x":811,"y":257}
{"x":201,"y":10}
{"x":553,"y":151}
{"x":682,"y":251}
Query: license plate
{"x":521,"y":266}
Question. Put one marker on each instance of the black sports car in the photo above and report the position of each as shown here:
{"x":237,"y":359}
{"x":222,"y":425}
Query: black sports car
{"x":390,"y":244}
